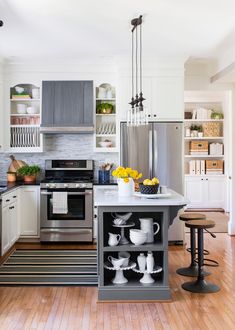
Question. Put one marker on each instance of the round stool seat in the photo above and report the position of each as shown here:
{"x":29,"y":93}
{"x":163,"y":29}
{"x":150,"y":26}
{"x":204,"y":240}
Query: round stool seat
{"x":192,"y":216}
{"x":200,"y":224}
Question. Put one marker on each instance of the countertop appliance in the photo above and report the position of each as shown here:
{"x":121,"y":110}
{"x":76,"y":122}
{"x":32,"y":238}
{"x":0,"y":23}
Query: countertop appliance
{"x":156,"y":150}
{"x":75,"y":178}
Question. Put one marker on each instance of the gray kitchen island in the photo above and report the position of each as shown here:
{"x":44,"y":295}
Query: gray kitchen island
{"x":126,"y":282}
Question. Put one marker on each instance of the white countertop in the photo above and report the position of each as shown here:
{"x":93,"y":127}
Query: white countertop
{"x":110,"y":197}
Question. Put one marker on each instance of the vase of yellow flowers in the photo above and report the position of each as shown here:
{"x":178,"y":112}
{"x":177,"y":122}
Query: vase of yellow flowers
{"x":125,"y":179}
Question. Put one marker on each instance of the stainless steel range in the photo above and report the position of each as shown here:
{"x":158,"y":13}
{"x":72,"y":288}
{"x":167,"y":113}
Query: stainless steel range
{"x":67,"y":201}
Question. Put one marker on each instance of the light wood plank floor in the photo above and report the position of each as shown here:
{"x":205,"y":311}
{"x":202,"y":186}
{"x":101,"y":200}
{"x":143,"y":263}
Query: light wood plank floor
{"x":77,"y":308}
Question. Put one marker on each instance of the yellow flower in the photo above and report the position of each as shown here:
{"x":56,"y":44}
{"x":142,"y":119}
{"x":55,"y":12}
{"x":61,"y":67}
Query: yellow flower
{"x":126,"y":180}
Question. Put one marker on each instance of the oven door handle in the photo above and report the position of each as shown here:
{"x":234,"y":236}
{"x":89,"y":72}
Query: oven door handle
{"x":69,"y":193}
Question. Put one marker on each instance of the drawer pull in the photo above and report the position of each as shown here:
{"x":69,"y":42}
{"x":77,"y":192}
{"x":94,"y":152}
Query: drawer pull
{"x":7,"y":200}
{"x":11,"y":207}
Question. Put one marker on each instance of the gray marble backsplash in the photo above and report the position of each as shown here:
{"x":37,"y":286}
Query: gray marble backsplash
{"x":62,"y":146}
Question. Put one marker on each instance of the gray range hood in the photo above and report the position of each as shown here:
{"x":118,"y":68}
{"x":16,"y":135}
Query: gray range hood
{"x":67,"y":107}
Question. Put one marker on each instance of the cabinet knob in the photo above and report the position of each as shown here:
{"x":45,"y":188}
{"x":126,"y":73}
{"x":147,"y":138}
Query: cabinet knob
{"x":206,"y":179}
{"x":7,"y":200}
{"x":14,"y":196}
{"x":154,"y":116}
{"x":12,"y":207}
{"x":95,"y":216}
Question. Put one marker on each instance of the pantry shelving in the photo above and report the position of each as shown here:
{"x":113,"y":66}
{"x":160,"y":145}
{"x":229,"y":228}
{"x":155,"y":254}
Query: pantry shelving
{"x":205,"y":149}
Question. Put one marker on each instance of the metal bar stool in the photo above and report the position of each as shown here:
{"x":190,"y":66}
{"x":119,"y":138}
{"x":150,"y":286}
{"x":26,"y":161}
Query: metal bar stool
{"x":200,"y":285}
{"x":192,"y":270}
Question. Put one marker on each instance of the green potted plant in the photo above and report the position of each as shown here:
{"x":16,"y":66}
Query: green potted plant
{"x":29,"y":173}
{"x":104,"y":108}
{"x":200,"y":131}
{"x":216,"y":115}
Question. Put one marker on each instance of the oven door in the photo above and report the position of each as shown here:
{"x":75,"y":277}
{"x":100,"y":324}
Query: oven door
{"x":80,"y":211}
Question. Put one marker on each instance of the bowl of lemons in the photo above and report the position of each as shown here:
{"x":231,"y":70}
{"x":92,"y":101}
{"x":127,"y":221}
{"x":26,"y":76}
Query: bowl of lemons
{"x":149,"y":186}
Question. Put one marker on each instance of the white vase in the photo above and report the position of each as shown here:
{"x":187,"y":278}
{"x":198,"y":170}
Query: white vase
{"x":150,"y":262}
{"x":125,"y":189}
{"x":141,"y":259}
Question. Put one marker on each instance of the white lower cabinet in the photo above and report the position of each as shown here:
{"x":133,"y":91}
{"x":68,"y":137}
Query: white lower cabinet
{"x":10,"y":222}
{"x":29,"y":211}
{"x":206,"y":191}
{"x":20,"y":215}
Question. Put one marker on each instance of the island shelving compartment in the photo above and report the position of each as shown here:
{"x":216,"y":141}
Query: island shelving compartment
{"x":157,"y":286}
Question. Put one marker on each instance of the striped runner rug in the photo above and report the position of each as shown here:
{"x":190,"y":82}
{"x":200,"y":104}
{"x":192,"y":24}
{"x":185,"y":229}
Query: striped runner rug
{"x":50,"y":267}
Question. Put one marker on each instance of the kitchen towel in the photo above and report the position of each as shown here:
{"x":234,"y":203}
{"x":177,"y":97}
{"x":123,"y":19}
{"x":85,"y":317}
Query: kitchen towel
{"x":60,"y":202}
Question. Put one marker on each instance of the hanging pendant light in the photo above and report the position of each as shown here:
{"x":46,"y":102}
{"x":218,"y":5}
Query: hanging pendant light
{"x":137,"y":113}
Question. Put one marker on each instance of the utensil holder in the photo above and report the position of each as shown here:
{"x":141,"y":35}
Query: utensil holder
{"x":104,"y":176}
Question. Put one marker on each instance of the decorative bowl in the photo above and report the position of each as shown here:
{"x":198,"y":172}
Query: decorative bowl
{"x":148,"y":190}
{"x":32,"y":110}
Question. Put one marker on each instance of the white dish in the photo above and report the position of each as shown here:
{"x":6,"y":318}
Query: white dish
{"x":152,"y":196}
{"x":104,"y":144}
{"x":32,"y":110}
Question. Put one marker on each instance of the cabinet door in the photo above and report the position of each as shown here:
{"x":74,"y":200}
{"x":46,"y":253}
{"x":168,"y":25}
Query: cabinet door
{"x":168,"y":98}
{"x":13,"y":223}
{"x":216,"y":192}
{"x":29,"y":211}
{"x":194,"y":191}
{"x":5,"y":229}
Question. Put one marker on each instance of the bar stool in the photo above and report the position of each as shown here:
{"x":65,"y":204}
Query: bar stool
{"x":192,"y":270}
{"x":200,"y":285}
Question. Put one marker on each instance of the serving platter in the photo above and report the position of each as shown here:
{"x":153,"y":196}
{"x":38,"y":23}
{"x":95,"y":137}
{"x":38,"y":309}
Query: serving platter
{"x":152,"y":196}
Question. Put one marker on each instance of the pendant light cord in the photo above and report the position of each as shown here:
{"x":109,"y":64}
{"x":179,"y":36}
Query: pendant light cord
{"x":132,"y":62}
{"x":136,"y":59}
{"x":141,"y":58}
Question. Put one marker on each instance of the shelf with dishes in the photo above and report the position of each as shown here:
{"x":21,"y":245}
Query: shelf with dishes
{"x":105,"y":119}
{"x":25,"y":118}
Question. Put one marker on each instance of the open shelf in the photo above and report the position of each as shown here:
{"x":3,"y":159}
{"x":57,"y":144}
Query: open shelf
{"x":204,"y":138}
{"x":25,"y":100}
{"x":202,"y":120}
{"x":158,"y":246}
{"x":204,"y":156}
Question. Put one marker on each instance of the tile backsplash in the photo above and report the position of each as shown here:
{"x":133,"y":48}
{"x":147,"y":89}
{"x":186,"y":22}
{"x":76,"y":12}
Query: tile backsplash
{"x":62,"y":146}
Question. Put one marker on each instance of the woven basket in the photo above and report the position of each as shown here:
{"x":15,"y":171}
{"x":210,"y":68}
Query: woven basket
{"x":148,"y":190}
{"x":212,"y":129}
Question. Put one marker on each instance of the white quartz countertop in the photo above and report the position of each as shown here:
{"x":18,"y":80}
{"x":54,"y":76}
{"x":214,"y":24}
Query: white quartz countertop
{"x":110,"y":197}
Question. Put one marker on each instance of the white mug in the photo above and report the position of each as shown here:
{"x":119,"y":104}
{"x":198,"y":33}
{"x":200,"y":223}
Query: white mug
{"x":124,"y":255}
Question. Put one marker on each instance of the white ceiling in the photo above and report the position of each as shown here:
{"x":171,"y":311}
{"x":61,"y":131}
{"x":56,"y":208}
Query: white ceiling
{"x":79,"y":28}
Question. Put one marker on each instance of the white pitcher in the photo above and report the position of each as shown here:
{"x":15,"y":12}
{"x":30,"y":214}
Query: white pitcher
{"x":114,"y":239}
{"x":147,"y":224}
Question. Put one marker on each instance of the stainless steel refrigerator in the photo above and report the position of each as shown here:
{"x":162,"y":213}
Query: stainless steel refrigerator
{"x":156,"y":150}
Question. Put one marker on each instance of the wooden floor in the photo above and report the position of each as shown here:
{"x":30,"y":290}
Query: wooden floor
{"x":77,"y":308}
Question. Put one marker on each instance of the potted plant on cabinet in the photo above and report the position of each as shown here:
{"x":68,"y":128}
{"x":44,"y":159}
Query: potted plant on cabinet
{"x":104,"y":108}
{"x":29,"y":173}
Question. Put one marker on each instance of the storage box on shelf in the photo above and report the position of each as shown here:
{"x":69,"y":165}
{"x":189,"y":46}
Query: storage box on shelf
{"x":105,"y":119}
{"x":25,"y":117}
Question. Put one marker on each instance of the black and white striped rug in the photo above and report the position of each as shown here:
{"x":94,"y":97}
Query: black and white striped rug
{"x":50,"y":267}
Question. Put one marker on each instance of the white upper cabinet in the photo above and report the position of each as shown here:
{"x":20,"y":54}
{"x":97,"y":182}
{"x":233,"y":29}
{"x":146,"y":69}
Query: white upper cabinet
{"x":163,"y":90}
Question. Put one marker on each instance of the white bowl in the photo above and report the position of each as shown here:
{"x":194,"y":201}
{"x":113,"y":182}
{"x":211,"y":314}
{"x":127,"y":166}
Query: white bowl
{"x":21,"y":108}
{"x":137,"y":232}
{"x":32,"y":110}
{"x":138,"y":240}
{"x":105,"y":144}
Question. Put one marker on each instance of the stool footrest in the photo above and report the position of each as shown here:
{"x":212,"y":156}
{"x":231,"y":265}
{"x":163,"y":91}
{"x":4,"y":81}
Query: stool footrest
{"x":191,"y":271}
{"x":205,"y":252}
{"x":210,"y":263}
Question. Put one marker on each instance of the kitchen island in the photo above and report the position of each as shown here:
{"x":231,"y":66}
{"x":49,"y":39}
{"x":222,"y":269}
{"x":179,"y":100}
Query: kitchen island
{"x":163,"y":211}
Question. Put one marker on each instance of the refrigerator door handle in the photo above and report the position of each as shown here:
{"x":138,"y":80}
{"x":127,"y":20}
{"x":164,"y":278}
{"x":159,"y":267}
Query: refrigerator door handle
{"x":155,"y":151}
{"x":150,"y":153}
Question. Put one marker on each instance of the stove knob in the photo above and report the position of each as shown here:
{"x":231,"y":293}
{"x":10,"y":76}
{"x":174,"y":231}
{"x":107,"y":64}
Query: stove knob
{"x":77,"y":185}
{"x":52,"y":185}
{"x":83,"y":185}
{"x":47,"y":185}
{"x":65,"y":185}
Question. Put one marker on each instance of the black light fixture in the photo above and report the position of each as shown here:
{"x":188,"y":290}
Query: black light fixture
{"x":137,"y":114}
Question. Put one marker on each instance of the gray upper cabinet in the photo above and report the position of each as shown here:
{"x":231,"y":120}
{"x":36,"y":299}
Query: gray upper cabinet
{"x":67,"y":106}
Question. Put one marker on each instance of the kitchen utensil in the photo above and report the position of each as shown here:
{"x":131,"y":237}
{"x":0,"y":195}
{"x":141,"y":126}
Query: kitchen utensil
{"x":117,"y":263}
{"x":114,"y":239}
{"x":147,"y":224}
{"x":137,"y":236}
{"x":21,"y":108}
{"x":126,"y":256}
